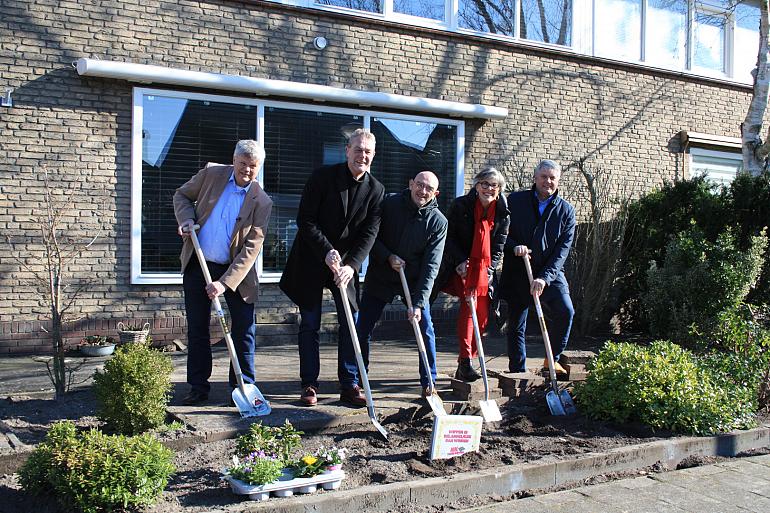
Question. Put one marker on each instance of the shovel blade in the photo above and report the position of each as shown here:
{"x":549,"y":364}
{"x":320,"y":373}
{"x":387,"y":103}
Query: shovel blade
{"x":490,"y":411}
{"x":253,"y":404}
{"x":567,"y":403}
{"x":380,"y":429}
{"x":554,"y":403}
{"x":436,"y":405}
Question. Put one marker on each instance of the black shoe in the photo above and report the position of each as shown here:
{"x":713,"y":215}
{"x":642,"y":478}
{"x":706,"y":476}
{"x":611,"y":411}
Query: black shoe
{"x":194,"y":398}
{"x":466,"y":372}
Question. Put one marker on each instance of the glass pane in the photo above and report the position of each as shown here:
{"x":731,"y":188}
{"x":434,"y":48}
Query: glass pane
{"x":433,"y":9}
{"x":359,"y":5}
{"x":746,"y":41}
{"x":296,"y":143}
{"x":404,"y":148}
{"x":549,"y":21}
{"x":709,"y":41}
{"x":178,"y":138}
{"x":667,"y":33}
{"x":717,"y":169}
{"x":618,"y":29}
{"x":496,"y":17}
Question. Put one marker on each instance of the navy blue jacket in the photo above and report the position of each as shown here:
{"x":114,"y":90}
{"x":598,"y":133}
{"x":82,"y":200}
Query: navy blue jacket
{"x":548,"y":236}
{"x":416,"y":235}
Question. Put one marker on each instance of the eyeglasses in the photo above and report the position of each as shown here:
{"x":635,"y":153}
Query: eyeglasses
{"x":489,"y":186}
{"x":425,"y":187}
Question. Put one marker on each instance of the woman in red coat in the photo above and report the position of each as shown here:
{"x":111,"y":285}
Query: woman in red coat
{"x":478,"y":226}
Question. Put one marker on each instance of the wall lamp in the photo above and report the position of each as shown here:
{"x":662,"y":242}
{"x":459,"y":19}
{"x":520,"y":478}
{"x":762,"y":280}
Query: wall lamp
{"x":5,"y":99}
{"x":320,"y":42}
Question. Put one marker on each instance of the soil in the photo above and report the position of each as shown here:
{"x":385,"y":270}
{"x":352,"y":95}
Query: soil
{"x":528,"y":433}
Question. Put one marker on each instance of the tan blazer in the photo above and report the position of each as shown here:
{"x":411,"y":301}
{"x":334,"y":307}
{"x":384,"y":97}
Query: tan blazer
{"x":196,"y":200}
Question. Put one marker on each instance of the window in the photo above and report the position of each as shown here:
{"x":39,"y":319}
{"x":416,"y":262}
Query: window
{"x":176,"y":133}
{"x":715,"y":38}
{"x":547,"y":21}
{"x":719,"y":167}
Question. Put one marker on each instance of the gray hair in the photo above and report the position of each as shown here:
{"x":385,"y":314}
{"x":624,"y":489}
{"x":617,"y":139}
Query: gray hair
{"x":548,"y":164}
{"x":490,"y":173}
{"x":250,"y":148}
{"x":363,"y":133}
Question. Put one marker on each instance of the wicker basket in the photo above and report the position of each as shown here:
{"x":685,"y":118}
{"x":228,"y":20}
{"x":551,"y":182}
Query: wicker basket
{"x":131,"y":336}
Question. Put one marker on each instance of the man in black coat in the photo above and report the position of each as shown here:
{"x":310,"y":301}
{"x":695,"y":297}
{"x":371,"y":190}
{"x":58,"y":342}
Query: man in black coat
{"x":338,"y":220}
{"x":545,"y":226}
{"x":411,"y":237}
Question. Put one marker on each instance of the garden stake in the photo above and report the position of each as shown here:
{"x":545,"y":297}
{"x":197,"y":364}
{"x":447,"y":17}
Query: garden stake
{"x":247,"y":397}
{"x":489,"y":409}
{"x":433,"y":398}
{"x":360,"y":362}
{"x":560,"y":403}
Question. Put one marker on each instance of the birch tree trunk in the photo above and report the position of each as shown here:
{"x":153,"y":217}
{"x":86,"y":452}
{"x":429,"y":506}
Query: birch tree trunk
{"x":754,"y":151}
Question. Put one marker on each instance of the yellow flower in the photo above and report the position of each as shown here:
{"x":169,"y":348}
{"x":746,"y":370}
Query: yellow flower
{"x":309,"y":460}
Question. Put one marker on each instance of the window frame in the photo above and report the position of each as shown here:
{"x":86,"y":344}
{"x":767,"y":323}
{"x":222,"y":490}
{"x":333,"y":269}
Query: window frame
{"x":140,"y":278}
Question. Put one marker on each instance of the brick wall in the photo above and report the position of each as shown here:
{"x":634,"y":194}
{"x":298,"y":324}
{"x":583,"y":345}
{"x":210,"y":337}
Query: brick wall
{"x":617,"y":118}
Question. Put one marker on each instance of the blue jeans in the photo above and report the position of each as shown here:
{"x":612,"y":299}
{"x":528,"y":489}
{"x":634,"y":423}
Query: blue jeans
{"x":198,"y":309}
{"x":558,"y":310}
{"x":371,"y":310}
{"x":309,"y":350}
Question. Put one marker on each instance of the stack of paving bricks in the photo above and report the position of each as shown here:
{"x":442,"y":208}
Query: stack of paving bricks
{"x":474,"y":392}
{"x":532,"y":383}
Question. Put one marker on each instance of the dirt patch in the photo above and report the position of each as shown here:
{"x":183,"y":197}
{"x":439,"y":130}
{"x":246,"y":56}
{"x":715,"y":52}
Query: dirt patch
{"x":528,"y":433}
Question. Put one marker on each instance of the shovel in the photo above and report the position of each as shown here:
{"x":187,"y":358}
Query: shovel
{"x":360,"y":362}
{"x":560,"y":403}
{"x":247,"y":397}
{"x":489,"y":408}
{"x":433,"y":399}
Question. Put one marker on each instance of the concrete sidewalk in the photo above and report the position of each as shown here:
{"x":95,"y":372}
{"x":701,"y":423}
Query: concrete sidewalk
{"x":741,"y":485}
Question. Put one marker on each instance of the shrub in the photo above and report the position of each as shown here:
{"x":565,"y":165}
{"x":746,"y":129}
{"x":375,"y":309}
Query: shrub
{"x":96,"y":472}
{"x":698,"y":281}
{"x":133,"y":390}
{"x":281,"y":441}
{"x":663,"y":386}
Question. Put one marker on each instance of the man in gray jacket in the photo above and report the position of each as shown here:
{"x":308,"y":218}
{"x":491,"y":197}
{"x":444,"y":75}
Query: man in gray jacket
{"x":411,"y":236}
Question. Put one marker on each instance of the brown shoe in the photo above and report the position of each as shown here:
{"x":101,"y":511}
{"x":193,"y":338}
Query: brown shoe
{"x":309,"y":396}
{"x":353,"y":396}
{"x":560,"y":371}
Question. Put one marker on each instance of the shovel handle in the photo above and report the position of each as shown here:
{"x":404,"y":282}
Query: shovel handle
{"x":417,"y":330}
{"x":543,"y":329}
{"x":220,"y":313}
{"x":479,"y":346}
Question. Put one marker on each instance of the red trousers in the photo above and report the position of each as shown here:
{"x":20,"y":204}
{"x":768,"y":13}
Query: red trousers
{"x":465,"y":325}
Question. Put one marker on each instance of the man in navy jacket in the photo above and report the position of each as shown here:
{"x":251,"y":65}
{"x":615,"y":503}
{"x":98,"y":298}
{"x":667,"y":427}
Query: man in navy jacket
{"x":543,"y":223}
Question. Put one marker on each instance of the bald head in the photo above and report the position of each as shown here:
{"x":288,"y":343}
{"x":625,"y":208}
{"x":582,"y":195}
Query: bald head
{"x":423,"y":188}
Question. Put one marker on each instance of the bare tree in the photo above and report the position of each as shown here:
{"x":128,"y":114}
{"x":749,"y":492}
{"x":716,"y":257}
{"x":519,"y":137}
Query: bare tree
{"x":755,"y":152}
{"x":49,"y":263}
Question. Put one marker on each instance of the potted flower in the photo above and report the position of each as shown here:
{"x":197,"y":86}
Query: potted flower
{"x":97,"y":345}
{"x":308,"y":465}
{"x":257,"y":468}
{"x":332,"y":457}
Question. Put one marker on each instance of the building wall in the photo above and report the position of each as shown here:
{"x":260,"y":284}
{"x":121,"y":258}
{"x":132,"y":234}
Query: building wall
{"x":615,"y":118}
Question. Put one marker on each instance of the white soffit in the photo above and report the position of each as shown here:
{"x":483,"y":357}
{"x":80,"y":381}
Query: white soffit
{"x":145,"y":73}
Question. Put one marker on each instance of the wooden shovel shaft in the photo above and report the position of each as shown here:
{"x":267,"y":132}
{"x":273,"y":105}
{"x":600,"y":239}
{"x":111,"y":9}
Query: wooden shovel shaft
{"x":417,"y":330}
{"x":543,"y":329}
{"x":220,"y":313}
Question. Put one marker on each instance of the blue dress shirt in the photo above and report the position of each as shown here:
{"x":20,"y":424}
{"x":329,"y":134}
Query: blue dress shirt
{"x":216,"y":234}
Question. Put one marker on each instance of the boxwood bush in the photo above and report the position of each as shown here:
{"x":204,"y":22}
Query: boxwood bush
{"x":93,"y":472}
{"x":667,"y":387}
{"x":133,"y":390}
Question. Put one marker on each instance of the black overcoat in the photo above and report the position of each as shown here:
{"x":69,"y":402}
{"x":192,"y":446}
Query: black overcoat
{"x":325,"y":221}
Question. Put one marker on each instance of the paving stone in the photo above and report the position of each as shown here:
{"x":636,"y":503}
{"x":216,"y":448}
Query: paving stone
{"x":576,"y":357}
{"x":473,"y":392}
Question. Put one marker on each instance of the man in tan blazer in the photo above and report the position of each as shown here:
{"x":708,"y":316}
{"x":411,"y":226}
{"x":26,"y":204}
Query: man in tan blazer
{"x":232,"y":211}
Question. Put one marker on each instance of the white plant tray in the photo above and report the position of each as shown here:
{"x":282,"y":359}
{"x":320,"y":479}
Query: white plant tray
{"x":328,"y":481}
